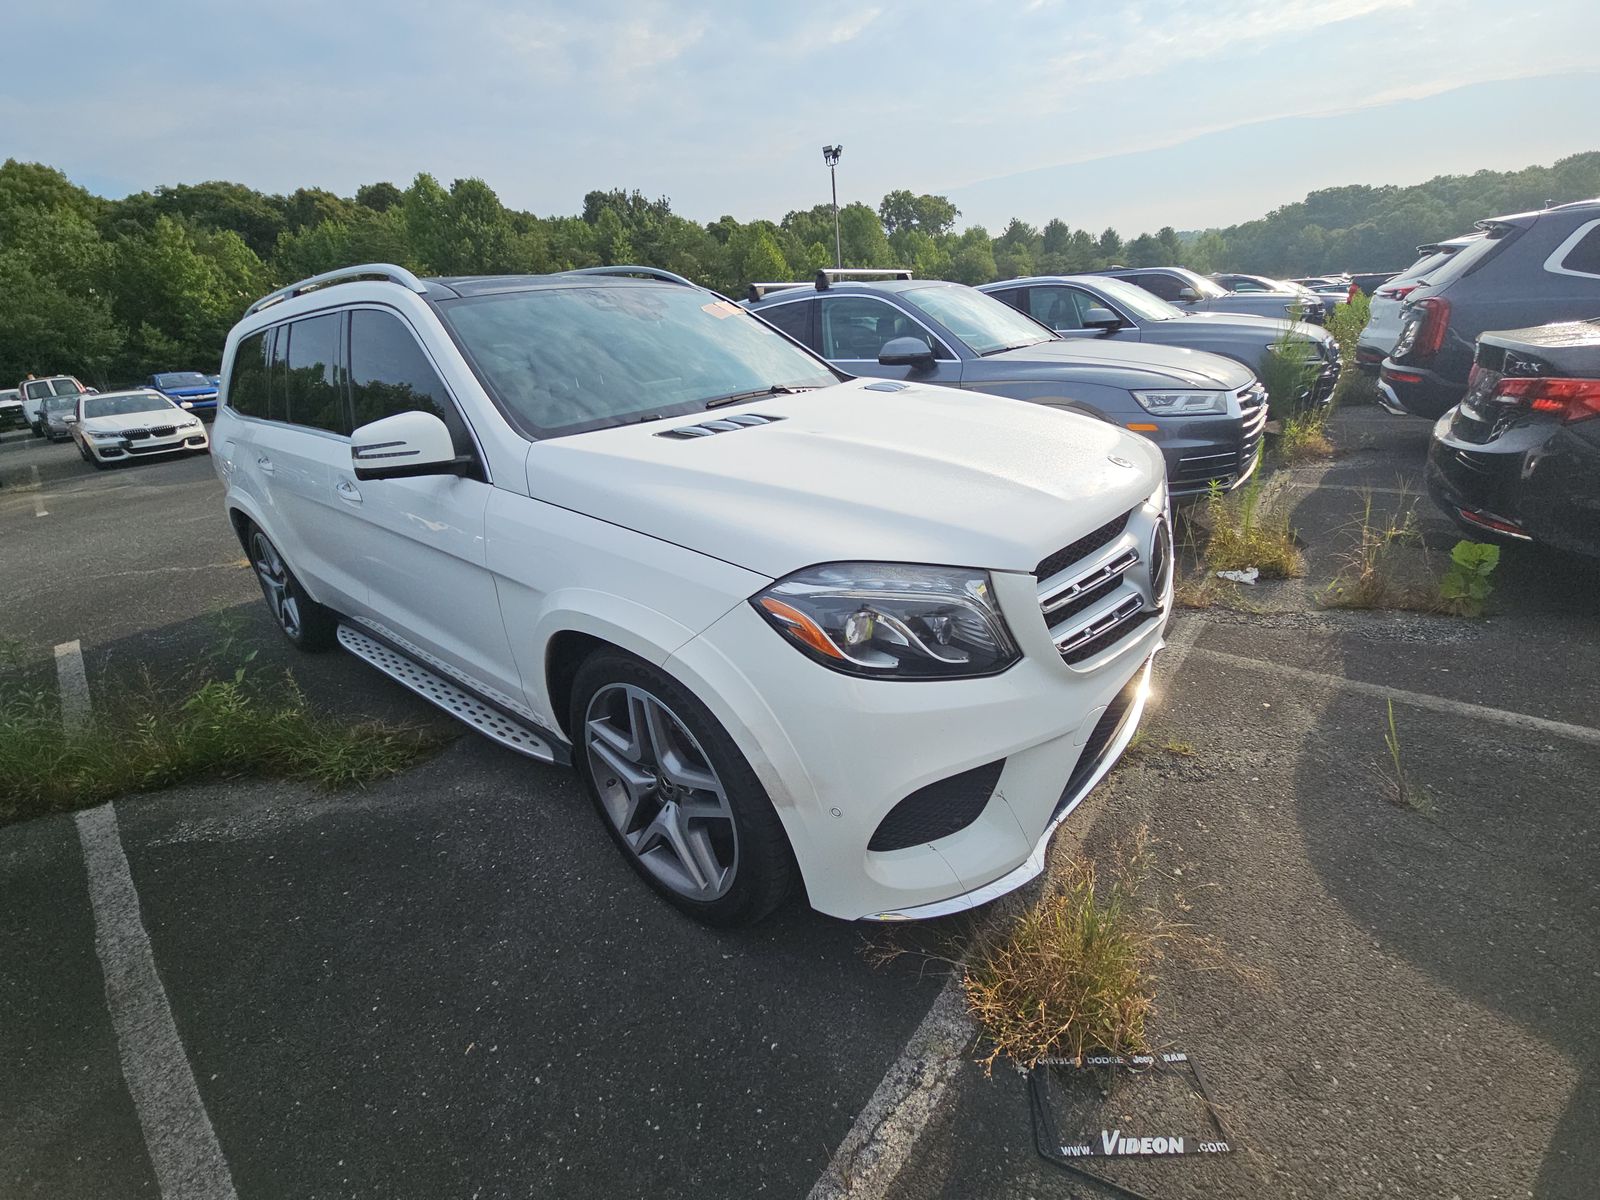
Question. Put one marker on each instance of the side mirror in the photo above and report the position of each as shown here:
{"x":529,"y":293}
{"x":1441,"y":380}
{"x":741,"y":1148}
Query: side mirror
{"x":1101,"y":318}
{"x":1188,"y":295}
{"x":406,"y":446}
{"x":906,"y":352}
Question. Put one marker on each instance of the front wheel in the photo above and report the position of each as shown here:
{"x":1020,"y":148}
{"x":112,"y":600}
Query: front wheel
{"x":308,"y":625}
{"x":676,"y":794}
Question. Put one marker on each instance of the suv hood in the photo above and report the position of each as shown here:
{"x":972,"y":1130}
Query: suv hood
{"x":1121,"y":364}
{"x":854,"y":472}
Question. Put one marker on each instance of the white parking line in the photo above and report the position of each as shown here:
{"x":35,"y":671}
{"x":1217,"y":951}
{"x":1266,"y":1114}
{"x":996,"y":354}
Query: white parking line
{"x":906,"y":1098}
{"x":74,"y":685}
{"x":1454,"y":708}
{"x":182,"y":1145}
{"x":39,"y":510}
{"x":177,"y":1132}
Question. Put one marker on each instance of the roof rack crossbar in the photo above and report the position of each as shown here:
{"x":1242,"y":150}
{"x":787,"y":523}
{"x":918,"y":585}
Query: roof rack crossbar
{"x":630,"y":269}
{"x":826,"y":275}
{"x":386,"y":271}
{"x":759,"y":290}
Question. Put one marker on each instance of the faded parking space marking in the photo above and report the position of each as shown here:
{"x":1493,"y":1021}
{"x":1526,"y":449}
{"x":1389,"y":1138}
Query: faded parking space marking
{"x":177,"y":1132}
{"x":39,"y":510}
{"x":74,"y":685}
{"x":182,"y":1145}
{"x":1454,"y":708}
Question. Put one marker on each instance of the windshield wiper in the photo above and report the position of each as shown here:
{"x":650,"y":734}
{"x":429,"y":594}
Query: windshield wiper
{"x":777,"y":389}
{"x":1018,"y":346}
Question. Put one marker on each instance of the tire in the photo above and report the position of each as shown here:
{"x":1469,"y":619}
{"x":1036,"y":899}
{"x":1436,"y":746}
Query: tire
{"x":728,"y":863}
{"x":309,"y":626}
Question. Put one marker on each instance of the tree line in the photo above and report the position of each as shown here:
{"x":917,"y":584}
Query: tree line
{"x":111,"y":290}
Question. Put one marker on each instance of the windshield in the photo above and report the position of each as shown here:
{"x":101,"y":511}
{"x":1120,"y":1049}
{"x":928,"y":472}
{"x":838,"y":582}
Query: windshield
{"x":182,"y":379}
{"x":1138,"y":301}
{"x":982,"y":322}
{"x":573,"y":358}
{"x":125,"y":405}
{"x":60,"y":404}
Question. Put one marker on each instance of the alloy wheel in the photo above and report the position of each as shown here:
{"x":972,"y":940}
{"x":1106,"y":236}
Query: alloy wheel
{"x":275,"y":584}
{"x":660,"y":792}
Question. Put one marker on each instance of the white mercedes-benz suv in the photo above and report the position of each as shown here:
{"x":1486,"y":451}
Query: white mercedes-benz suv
{"x":876,"y":636}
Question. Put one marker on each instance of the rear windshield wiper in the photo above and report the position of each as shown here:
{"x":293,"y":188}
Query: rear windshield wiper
{"x":777,"y":389}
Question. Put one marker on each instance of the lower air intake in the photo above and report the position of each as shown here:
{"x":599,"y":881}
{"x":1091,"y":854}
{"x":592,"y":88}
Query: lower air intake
{"x":938,"y":810}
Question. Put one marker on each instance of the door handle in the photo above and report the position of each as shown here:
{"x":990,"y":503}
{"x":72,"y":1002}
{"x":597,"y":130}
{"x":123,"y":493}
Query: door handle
{"x":265,"y":464}
{"x":348,"y":491}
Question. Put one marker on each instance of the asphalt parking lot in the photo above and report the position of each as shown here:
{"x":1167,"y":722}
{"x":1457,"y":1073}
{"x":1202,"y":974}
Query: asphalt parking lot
{"x":449,"y":984}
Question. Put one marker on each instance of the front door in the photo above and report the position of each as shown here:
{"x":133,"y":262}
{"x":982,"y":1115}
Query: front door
{"x":853,"y":329}
{"x":421,"y":547}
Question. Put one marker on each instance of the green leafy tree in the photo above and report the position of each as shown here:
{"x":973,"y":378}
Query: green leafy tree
{"x":1109,"y":247}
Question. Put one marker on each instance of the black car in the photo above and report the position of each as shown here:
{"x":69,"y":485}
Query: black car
{"x":1529,"y":268}
{"x":1519,"y":459}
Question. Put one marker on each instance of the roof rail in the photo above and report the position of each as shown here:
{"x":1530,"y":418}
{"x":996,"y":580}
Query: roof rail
{"x":827,"y":275}
{"x":759,"y":290}
{"x":386,"y":271}
{"x":629,"y":269}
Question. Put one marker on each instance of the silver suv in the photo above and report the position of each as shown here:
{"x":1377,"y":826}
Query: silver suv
{"x":1181,"y":286}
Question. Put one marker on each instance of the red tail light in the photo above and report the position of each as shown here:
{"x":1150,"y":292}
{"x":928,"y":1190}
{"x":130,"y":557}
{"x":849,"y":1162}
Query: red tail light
{"x":1398,"y":293}
{"x":1430,"y":334}
{"x":1569,"y":399}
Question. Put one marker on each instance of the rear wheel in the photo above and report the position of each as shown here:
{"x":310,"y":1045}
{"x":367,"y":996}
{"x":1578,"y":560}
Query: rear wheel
{"x":676,"y":794}
{"x":308,"y":625}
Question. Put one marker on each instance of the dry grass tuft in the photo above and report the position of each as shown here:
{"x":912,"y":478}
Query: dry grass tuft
{"x":1305,"y":439}
{"x":1073,"y":974}
{"x":1250,"y":528}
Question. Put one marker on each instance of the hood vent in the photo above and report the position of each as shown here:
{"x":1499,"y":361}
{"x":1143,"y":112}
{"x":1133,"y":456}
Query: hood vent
{"x":720,"y":425}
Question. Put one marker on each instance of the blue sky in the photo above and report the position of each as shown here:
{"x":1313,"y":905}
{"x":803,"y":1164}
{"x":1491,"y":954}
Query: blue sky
{"x":1136,"y":113}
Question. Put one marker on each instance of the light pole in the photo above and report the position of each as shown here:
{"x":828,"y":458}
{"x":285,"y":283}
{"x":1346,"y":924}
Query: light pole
{"x":830,"y":155}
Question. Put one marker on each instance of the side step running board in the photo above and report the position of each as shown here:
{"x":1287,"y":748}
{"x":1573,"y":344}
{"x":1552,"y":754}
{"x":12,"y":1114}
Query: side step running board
{"x":495,"y":725}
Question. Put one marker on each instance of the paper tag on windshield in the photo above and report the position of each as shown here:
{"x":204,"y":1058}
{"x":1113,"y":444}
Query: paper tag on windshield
{"x":720,"y":309}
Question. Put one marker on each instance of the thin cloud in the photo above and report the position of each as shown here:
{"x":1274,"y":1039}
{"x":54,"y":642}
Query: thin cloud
{"x":826,"y":36}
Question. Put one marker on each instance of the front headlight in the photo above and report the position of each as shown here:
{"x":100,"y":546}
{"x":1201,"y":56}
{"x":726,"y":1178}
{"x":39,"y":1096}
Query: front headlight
{"x":191,"y":423}
{"x":105,"y":436}
{"x":892,"y":620}
{"x":1305,"y":350}
{"x":1183,"y":404}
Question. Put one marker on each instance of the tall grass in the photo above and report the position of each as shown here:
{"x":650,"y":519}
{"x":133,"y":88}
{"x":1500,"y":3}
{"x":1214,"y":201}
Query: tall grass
{"x":1073,"y":974}
{"x":1250,"y":528}
{"x":218,"y":729}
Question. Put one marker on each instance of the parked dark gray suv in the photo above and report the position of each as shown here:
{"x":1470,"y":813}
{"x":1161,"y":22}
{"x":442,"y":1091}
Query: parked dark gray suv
{"x":1530,"y":268}
{"x":1205,"y":412}
{"x":1096,"y":306}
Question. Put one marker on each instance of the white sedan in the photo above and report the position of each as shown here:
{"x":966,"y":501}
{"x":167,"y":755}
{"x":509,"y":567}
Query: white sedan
{"x":116,"y":426}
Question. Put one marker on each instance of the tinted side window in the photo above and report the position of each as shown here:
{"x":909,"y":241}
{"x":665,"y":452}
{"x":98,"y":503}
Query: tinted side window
{"x":856,"y":327}
{"x":389,"y":374}
{"x":1164,"y":286}
{"x":794,"y":319}
{"x":247,"y":386}
{"x":314,"y":391}
{"x":1054,"y":306}
{"x":1585,"y":256}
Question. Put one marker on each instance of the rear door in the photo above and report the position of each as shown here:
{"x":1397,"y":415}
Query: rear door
{"x":294,"y":450}
{"x":420,"y":544}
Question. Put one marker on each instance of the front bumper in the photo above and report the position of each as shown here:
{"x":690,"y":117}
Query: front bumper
{"x":181,"y":440}
{"x":837,"y":754}
{"x":1200,"y":451}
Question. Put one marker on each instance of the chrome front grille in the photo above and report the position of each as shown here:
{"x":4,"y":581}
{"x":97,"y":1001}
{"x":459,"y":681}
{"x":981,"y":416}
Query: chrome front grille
{"x":1103,"y":587}
{"x":1253,"y":403}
